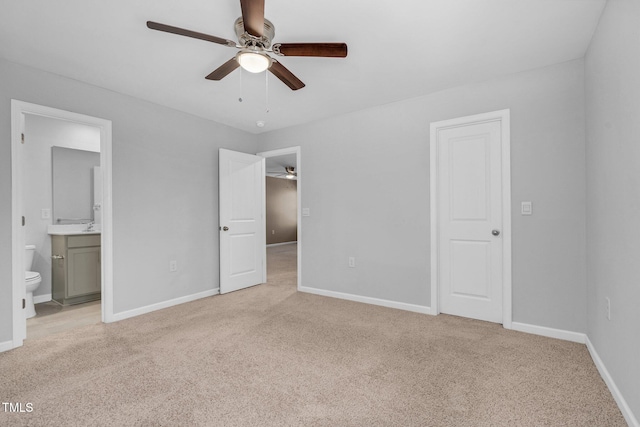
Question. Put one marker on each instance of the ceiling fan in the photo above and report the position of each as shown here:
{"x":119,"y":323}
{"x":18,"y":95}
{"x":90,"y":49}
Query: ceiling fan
{"x":255,"y":34}
{"x":289,"y":173}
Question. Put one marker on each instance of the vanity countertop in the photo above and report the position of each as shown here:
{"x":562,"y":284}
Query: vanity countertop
{"x":72,"y":233}
{"x":71,"y":230}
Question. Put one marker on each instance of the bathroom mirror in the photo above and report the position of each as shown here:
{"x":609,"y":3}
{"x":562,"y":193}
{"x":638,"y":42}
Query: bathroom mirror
{"x":73,"y":185}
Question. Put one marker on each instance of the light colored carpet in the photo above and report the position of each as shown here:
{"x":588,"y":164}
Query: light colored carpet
{"x":269,"y":356}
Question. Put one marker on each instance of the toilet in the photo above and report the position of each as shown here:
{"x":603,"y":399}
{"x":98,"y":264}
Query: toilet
{"x":32,"y":280}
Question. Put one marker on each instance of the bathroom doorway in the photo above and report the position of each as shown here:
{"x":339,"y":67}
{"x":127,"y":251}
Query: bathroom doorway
{"x":283,"y":216}
{"x":61,"y":195}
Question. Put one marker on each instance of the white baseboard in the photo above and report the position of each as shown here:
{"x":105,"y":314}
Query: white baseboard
{"x":164,"y":304}
{"x":368,"y":300}
{"x":604,"y":373}
{"x":6,"y":346}
{"x":37,"y":299}
{"x":550,"y":332}
{"x":281,"y":244}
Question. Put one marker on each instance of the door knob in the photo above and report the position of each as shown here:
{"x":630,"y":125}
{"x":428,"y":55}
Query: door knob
{"x":496,"y":232}
{"x":225,"y":228}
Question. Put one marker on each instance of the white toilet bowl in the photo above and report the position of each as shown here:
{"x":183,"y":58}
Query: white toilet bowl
{"x":32,"y":280}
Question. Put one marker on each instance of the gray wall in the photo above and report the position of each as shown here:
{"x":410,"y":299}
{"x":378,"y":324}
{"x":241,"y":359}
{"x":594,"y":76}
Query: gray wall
{"x":613,"y":197}
{"x":164,"y":188}
{"x":42,"y":133}
{"x":366,"y":182}
{"x":282,"y":210}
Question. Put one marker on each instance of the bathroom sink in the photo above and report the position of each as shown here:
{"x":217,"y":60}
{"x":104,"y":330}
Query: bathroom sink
{"x":68,"y":230}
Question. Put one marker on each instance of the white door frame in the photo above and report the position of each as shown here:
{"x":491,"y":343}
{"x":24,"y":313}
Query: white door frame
{"x":18,"y":111}
{"x":296,"y":151}
{"x":502,"y":116}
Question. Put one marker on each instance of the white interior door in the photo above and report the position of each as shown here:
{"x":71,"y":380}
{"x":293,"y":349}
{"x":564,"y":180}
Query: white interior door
{"x":242,"y":221}
{"x":469,"y":211}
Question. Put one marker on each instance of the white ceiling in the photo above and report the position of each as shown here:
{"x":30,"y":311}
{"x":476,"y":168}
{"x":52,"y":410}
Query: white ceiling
{"x":397,"y":49}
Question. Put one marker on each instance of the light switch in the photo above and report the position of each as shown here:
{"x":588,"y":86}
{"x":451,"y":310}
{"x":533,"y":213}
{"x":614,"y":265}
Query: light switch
{"x":527,"y":208}
{"x":306,"y":212}
{"x":46,"y":214}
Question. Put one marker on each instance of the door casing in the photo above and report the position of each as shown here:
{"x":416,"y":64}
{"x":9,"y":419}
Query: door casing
{"x":296,"y":151}
{"x":18,"y":111}
{"x":503,"y":116}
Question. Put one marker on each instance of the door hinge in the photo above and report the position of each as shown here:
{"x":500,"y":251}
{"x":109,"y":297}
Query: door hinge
{"x":22,"y":137}
{"x":24,"y":221}
{"x":24,"y":303}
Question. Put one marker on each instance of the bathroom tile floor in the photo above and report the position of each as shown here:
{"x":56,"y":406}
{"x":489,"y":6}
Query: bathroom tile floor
{"x":53,"y":318}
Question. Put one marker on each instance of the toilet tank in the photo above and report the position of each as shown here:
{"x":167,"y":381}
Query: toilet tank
{"x":29,"y":252}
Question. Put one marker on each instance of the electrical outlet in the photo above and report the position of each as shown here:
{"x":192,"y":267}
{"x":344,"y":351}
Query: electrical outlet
{"x":306,"y":212}
{"x":608,"y":308}
{"x":352,"y":262}
{"x":173,"y":266}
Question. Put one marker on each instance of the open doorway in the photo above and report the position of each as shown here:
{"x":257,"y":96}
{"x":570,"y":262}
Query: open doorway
{"x":283,"y":216}
{"x":61,"y":196}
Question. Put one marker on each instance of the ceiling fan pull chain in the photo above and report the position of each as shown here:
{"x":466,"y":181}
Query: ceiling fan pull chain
{"x":266,"y":96}
{"x":240,"y":98}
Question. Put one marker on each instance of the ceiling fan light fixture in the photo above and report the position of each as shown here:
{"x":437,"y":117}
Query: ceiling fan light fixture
{"x":253,"y":62}
{"x":291,"y":174}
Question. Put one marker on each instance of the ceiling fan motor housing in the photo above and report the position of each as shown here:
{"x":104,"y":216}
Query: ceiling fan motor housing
{"x":247,"y":40}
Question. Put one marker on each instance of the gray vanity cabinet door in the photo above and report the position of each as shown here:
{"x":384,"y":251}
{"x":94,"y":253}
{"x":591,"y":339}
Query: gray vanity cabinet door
{"x":84,"y":273}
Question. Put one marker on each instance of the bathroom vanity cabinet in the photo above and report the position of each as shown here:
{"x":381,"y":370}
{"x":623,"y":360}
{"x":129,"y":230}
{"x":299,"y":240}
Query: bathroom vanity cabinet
{"x":76,"y":270}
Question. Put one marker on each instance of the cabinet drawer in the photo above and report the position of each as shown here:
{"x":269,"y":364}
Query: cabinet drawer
{"x":83,"y":241}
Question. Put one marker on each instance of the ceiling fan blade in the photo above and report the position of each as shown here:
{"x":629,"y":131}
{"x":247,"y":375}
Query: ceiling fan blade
{"x":223,"y":70}
{"x":286,"y":76}
{"x":253,"y":16}
{"x":189,"y":33}
{"x":331,"y":50}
